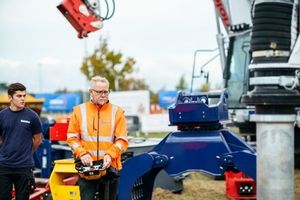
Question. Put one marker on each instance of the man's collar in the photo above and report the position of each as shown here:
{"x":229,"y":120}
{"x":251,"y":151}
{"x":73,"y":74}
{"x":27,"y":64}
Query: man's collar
{"x":98,"y":106}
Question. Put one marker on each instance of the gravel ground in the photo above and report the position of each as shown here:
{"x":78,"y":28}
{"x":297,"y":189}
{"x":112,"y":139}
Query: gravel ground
{"x":199,"y":187}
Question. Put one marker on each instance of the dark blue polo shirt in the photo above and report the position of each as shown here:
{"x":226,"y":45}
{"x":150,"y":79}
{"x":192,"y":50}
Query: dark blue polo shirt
{"x":17,"y":129}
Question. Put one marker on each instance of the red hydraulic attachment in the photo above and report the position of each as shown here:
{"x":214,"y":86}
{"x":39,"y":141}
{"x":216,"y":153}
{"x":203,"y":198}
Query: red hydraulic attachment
{"x":239,"y":186}
{"x":80,"y":17}
{"x":58,"y":132}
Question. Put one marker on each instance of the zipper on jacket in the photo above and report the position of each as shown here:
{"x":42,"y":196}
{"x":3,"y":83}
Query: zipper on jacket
{"x":98,"y":135}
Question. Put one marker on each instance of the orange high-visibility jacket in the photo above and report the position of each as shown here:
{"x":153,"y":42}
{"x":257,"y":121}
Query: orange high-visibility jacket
{"x":98,"y":131}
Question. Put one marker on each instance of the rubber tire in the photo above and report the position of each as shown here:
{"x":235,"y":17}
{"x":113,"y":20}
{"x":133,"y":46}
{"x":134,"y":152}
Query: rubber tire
{"x":275,"y":8}
{"x":267,"y":34}
{"x":262,"y":40}
{"x":271,"y":27}
{"x":273,"y":15}
{"x":271,"y":21}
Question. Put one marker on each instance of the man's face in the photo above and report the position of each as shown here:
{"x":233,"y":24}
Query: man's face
{"x":17,"y":100}
{"x":99,"y":93}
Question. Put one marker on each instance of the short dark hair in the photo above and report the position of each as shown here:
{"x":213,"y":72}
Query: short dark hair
{"x":12,"y":88}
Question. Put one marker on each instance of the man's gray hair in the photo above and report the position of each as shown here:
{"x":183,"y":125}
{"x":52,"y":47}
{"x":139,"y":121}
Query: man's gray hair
{"x":99,"y":79}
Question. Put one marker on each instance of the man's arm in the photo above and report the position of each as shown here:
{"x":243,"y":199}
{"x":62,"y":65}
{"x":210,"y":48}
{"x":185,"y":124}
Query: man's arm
{"x":121,"y":143}
{"x":74,"y":140}
{"x":37,"y":140}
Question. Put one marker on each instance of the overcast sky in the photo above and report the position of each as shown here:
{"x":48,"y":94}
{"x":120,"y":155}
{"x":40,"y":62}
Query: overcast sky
{"x":39,"y":47}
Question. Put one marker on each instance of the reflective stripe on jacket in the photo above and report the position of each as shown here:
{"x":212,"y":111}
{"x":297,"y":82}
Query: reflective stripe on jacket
{"x":106,"y":126}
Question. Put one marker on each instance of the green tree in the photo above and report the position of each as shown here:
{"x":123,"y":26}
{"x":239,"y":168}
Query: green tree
{"x":133,"y":84}
{"x":108,"y":63}
{"x":3,"y":87}
{"x":182,"y":85}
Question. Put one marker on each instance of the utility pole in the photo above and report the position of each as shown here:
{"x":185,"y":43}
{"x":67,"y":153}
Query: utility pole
{"x":40,"y":77}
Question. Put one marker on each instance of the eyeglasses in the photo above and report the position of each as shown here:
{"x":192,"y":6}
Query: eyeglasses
{"x":103,"y":92}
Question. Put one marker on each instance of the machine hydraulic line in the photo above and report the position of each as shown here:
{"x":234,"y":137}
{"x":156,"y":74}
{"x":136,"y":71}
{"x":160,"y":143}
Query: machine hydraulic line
{"x":200,"y":144}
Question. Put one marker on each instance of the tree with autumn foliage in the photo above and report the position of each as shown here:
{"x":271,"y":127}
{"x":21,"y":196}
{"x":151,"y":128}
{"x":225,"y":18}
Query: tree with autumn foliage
{"x":182,"y":84}
{"x":111,"y":65}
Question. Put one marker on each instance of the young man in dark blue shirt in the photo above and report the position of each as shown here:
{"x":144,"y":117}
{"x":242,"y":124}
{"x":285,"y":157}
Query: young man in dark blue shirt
{"x":20,"y":136}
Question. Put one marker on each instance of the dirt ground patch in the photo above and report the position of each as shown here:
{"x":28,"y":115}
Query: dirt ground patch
{"x":199,"y":187}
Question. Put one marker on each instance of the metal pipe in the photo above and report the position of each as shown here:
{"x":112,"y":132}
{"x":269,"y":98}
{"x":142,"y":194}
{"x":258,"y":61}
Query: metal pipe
{"x":194,"y":63}
{"x":275,"y":161}
{"x":220,"y":42}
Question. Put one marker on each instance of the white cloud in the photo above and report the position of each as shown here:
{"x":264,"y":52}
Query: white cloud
{"x":48,"y":61}
{"x":6,"y":64}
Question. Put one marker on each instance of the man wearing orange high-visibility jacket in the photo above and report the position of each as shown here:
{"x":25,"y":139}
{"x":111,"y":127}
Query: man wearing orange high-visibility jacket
{"x":97,"y":130}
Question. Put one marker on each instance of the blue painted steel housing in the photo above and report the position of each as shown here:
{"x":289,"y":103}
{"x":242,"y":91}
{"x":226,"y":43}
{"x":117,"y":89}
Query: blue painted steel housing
{"x":199,"y":146}
{"x":211,"y":152}
{"x":191,"y":109}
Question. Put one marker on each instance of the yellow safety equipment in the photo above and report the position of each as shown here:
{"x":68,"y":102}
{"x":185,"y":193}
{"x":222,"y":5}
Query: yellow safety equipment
{"x":63,"y":169}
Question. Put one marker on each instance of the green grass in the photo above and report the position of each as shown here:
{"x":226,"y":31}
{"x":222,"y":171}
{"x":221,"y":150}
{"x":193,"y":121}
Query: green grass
{"x":156,"y":135}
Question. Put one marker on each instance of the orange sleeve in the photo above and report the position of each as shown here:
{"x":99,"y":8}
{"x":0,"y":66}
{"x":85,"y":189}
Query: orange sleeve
{"x":121,"y":143}
{"x":74,"y":134}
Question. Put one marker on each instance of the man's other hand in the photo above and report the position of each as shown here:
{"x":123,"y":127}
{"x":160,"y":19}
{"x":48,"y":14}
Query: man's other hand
{"x":87,"y":160}
{"x":106,"y":161}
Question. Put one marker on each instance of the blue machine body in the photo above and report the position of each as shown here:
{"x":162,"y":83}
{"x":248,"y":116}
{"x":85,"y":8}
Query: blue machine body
{"x":195,"y":109}
{"x":211,"y":152}
{"x":201,"y":144}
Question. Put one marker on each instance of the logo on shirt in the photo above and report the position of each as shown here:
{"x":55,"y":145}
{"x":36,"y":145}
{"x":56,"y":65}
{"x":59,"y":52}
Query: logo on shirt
{"x":25,"y":121}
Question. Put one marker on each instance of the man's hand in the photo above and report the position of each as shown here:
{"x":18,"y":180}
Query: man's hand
{"x":87,"y":160}
{"x":36,"y":140}
{"x":106,"y":161}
